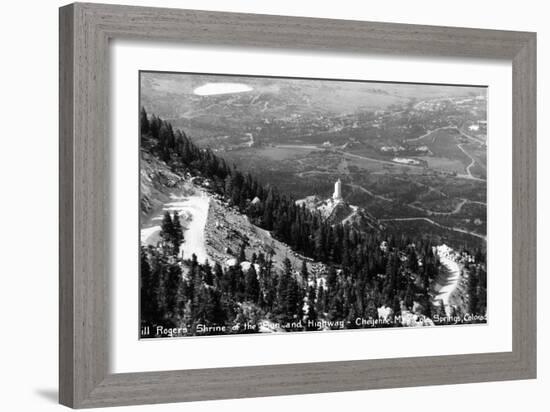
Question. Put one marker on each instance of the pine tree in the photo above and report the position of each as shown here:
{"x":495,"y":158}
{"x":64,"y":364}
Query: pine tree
{"x":283,"y":289}
{"x":167,"y":231}
{"x":217,"y":314}
{"x":371,"y":310}
{"x":172,"y":296}
{"x":146,"y":289}
{"x":177,"y":233}
{"x":409,"y":295}
{"x":304,"y":273}
{"x":270,"y":285}
{"x":242,"y":253}
{"x":335,"y":306}
{"x":396,"y":306}
{"x":208,"y":276}
{"x":332,"y":279}
{"x":218,"y":276}
{"x":472,"y":291}
{"x":252,"y":286}
{"x":267,"y":219}
{"x":319,"y":244}
{"x":320,"y":303}
{"x":239,"y":283}
{"x":228,"y":186}
{"x":295,"y":301}
{"x":311,"y":308}
{"x":427,"y":307}
{"x":412,"y":260}
{"x":196,"y":284}
{"x":143,"y":121}
{"x":164,"y":141}
{"x":154,"y":126}
{"x":441,"y":310}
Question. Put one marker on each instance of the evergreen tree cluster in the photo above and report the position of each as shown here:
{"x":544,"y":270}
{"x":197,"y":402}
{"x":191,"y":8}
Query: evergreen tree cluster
{"x":360,"y":275}
{"x":302,"y":229}
{"x":477,"y":285}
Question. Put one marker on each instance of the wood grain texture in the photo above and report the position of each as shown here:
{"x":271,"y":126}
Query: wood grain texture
{"x":66,"y":107}
{"x":85,"y":31}
{"x":524,"y":225}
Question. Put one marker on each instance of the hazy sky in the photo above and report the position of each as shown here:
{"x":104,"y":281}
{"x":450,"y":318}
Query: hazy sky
{"x":171,"y":94}
{"x":182,"y":83}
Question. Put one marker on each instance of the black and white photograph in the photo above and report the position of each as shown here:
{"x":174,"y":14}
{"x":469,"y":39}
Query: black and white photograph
{"x":285,"y":205}
{"x":275,"y":206}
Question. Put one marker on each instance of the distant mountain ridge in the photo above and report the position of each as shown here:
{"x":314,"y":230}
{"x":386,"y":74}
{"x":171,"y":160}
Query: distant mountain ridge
{"x":173,"y":97}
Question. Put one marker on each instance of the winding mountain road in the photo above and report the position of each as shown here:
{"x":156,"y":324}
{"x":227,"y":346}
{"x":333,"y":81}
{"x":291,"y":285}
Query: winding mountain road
{"x":386,"y":199}
{"x":429,"y":132}
{"x":447,"y":278}
{"x":193,"y":212}
{"x":426,"y":219}
{"x":472,"y":163}
{"x":429,"y":212}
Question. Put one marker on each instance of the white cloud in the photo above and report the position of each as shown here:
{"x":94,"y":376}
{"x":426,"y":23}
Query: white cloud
{"x":221,"y":88}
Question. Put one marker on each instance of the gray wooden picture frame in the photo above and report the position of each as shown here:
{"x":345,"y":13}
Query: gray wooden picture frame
{"x":85,"y":32}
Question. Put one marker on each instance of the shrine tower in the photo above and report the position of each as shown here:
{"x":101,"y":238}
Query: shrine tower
{"x":337,"y":196}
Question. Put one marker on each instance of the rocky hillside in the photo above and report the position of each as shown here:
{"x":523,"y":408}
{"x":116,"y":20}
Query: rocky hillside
{"x":339,"y":211}
{"x":227,"y":230}
{"x":157,"y":183}
{"x":220,"y":234}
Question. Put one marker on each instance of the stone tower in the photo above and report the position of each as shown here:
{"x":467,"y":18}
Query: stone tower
{"x":337,"y":196}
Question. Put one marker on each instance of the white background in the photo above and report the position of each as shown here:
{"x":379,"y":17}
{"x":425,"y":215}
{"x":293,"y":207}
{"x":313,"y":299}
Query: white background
{"x":28,"y":265}
{"x":131,"y":355}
